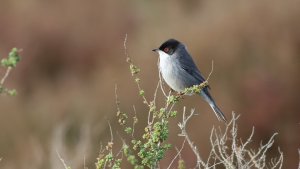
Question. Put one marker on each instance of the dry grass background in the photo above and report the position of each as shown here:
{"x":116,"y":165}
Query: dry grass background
{"x":73,"y":56}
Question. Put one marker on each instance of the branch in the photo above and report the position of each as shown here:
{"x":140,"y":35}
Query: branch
{"x":5,"y":76}
{"x":178,"y":153}
{"x":62,"y":161}
{"x":212,"y":69}
{"x":184,"y":133}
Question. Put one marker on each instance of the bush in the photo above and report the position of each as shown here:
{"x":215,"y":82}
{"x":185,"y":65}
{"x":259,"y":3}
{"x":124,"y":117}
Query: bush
{"x":149,"y":149}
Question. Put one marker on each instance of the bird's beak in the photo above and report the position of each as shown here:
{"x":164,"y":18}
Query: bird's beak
{"x":154,"y":50}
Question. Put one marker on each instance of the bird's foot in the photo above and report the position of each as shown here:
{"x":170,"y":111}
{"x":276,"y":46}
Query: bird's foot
{"x":180,"y":94}
{"x":171,"y":90}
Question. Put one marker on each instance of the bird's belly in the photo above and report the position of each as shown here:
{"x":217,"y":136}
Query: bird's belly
{"x":172,"y":76}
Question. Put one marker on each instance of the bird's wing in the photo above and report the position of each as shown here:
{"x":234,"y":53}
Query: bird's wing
{"x":195,"y":73}
{"x":190,"y":67}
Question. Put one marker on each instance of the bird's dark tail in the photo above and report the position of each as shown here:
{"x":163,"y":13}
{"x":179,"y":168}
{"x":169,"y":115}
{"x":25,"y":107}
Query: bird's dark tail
{"x":207,"y":97}
{"x":220,"y":115}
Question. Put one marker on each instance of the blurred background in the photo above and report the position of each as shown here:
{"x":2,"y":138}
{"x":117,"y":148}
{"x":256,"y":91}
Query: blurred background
{"x":73,"y":56}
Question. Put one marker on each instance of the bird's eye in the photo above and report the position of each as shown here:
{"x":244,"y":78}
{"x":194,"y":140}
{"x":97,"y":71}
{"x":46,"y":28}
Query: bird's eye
{"x":166,"y":50}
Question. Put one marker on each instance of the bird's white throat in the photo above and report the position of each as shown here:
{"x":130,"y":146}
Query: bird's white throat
{"x":164,"y":60}
{"x":163,"y":55}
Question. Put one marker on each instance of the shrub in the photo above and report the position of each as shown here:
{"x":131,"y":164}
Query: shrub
{"x":149,"y":149}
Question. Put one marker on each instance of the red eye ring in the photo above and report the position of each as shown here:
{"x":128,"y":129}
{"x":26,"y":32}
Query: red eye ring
{"x":166,"y":50}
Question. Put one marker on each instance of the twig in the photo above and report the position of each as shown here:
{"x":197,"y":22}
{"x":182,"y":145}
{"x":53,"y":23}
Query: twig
{"x":117,"y":98}
{"x":133,"y":123}
{"x":155,"y":93}
{"x":125,"y":47}
{"x":261,"y":152}
{"x":121,"y":149}
{"x":62,"y":161}
{"x":280,"y":160}
{"x":211,"y":71}
{"x":299,"y":158}
{"x":214,"y":143}
{"x":184,"y":133}
{"x":128,"y":59}
{"x":111,"y":134}
{"x":84,"y":165}
{"x":14,"y":55}
{"x":178,"y":153}
{"x":5,"y":75}
{"x":248,"y":140}
{"x":213,"y":146}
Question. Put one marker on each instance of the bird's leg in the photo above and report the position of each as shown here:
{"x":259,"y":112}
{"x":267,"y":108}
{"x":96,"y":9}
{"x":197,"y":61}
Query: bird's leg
{"x":171,"y":90}
{"x":180,"y":94}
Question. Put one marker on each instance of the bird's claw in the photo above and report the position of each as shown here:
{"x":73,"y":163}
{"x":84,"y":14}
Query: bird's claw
{"x":180,"y":94}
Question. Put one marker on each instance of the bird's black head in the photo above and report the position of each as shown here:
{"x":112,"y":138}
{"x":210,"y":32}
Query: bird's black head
{"x":169,"y":46}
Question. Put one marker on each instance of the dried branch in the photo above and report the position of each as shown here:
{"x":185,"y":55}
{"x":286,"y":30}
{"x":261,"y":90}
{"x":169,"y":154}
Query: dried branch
{"x":62,"y":161}
{"x":5,"y":75}
{"x":184,"y":133}
{"x":178,"y":153}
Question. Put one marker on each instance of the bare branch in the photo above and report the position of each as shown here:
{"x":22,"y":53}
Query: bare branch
{"x":212,"y":69}
{"x":111,"y":134}
{"x":299,"y":158}
{"x":134,"y":122}
{"x":178,"y":153}
{"x":279,"y":162}
{"x":117,"y":98}
{"x":125,"y":47}
{"x":184,"y":133}
{"x":5,"y":75}
{"x":62,"y":161}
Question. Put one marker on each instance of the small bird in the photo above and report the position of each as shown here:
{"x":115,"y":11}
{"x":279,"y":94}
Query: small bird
{"x":179,"y":71}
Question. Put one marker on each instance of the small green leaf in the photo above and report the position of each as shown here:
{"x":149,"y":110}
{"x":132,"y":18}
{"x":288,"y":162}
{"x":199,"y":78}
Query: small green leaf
{"x":173,"y":113}
{"x":12,"y":92}
{"x":128,"y":130}
{"x":142,"y":93}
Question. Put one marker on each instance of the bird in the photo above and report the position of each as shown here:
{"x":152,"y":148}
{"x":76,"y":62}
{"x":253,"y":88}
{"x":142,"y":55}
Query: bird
{"x":179,"y":71}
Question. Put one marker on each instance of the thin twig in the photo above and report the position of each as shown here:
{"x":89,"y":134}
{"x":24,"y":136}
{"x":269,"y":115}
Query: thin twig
{"x":184,"y":133}
{"x":261,"y":152}
{"x":111,"y":133}
{"x":178,"y":153}
{"x":155,"y":93}
{"x":280,"y":160}
{"x":5,"y":75}
{"x":117,"y":98}
{"x":125,"y":47}
{"x":214,"y":143}
{"x":212,"y":69}
{"x":121,"y":149}
{"x":62,"y":160}
{"x":133,"y":123}
{"x":128,"y":59}
{"x":84,"y":166}
{"x":249,"y":139}
{"x":299,"y":158}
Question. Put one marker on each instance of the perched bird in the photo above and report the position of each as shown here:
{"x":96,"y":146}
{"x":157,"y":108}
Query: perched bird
{"x":179,"y":71}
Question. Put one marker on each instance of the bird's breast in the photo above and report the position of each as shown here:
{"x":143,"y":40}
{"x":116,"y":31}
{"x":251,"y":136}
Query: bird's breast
{"x":170,"y":72}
